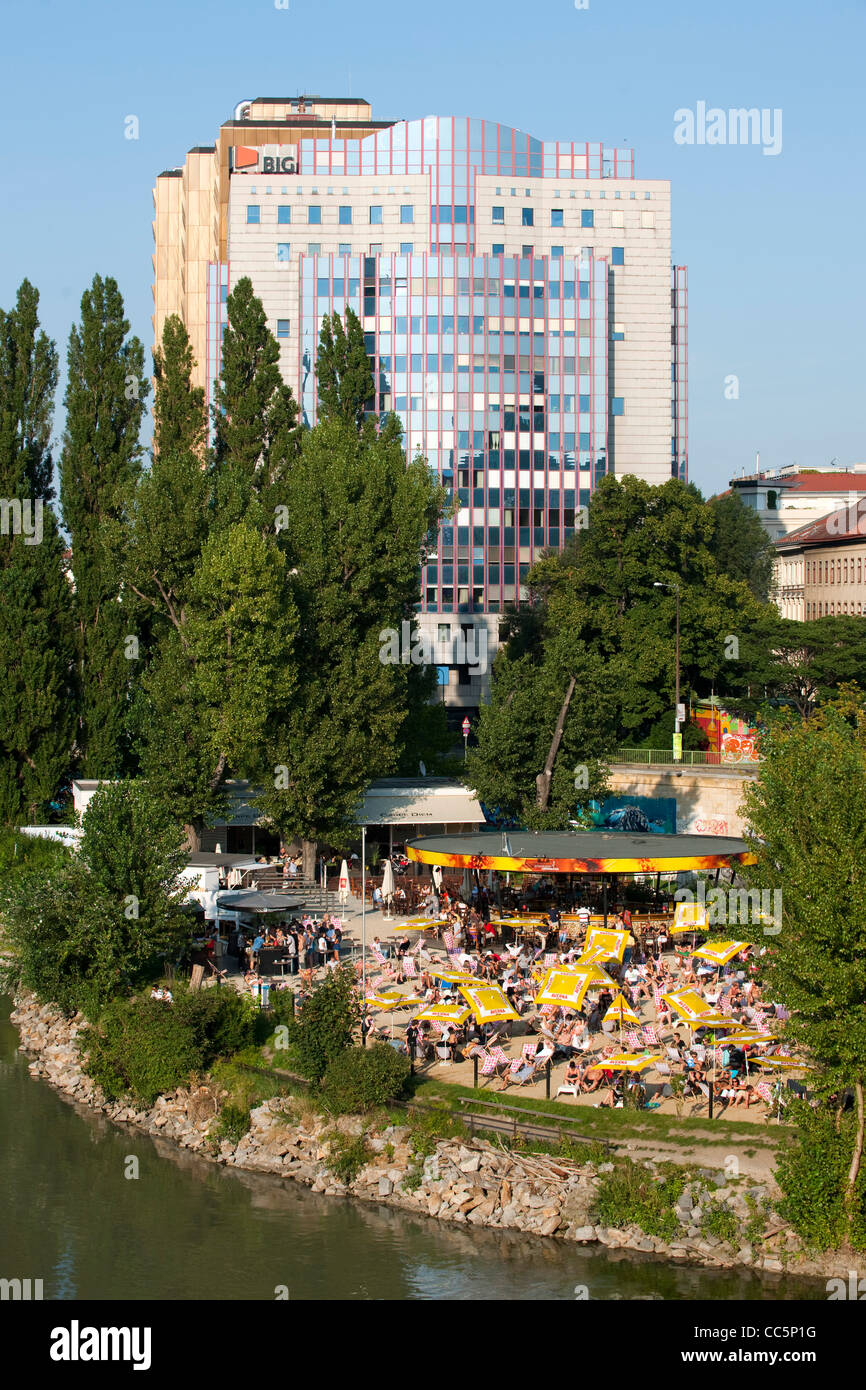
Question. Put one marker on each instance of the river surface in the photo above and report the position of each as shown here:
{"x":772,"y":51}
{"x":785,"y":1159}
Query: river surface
{"x":187,"y":1229}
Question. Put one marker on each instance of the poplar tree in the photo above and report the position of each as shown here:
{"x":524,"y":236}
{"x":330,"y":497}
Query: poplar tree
{"x":256,"y":433}
{"x":343,"y":376}
{"x":37,"y":716}
{"x":208,"y":562}
{"x":99,"y":467}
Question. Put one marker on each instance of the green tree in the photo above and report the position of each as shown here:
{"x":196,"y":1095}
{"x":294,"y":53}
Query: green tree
{"x":37,"y":644}
{"x":343,"y":376}
{"x":325,"y":1024}
{"x":105,"y":922}
{"x":255,"y":418}
{"x":741,"y":547}
{"x":99,"y":467}
{"x":807,"y":818}
{"x":357,"y":519}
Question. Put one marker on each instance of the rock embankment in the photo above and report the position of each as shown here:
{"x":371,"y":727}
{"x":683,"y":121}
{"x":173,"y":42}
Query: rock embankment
{"x":471,"y":1182}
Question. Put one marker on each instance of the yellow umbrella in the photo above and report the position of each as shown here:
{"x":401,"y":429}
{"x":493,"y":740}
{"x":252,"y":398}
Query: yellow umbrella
{"x":748,"y":1039}
{"x":612,"y":942}
{"x":565,"y":987}
{"x":720,"y":952}
{"x":782,"y":1063}
{"x":621,"y":1012}
{"x":711,"y":1020}
{"x":624,"y":1061}
{"x":688,"y":917}
{"x":452,"y":977}
{"x":488,"y":1003}
{"x":596,"y":977}
{"x":688,"y":1004}
{"x":445,"y":1013}
{"x":384,"y":1001}
{"x":593,"y":956}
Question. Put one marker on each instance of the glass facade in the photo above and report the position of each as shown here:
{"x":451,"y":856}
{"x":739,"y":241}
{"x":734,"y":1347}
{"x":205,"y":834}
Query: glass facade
{"x":679,"y":374}
{"x":497,"y":367}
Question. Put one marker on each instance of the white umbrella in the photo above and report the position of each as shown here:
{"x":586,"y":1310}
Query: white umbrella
{"x":344,"y":884}
{"x":388,"y":884}
{"x":437,"y":876}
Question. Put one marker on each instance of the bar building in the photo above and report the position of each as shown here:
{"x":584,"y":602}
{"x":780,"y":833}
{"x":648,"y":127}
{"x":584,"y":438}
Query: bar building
{"x":518,"y":302}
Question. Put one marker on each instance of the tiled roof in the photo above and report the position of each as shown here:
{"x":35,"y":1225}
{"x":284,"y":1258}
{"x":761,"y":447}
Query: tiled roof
{"x":844,"y":524}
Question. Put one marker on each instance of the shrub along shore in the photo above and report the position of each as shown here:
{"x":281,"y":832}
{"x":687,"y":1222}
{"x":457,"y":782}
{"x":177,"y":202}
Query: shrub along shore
{"x":427,"y":1163}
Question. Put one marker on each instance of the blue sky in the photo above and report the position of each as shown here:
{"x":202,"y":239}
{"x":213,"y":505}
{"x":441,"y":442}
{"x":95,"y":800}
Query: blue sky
{"x":774,"y":244}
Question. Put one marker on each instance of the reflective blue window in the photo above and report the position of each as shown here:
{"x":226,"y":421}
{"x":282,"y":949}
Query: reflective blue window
{"x":556,"y":216}
{"x":583,"y":292}
{"x":499,"y":215}
{"x":617,"y":255}
{"x":587,"y":217}
{"x":407,"y":212}
{"x":282,"y":328}
{"x":498,"y":248}
{"x":345,"y":217}
{"x":284,"y":251}
{"x":375,"y":215}
{"x":284,"y":214}
{"x":528,"y":217}
{"x":314,"y":214}
{"x":617,"y":405}
{"x":254,"y":213}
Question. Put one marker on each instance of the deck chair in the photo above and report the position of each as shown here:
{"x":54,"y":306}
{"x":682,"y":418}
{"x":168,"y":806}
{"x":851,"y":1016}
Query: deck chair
{"x":764,"y":1090}
{"x":650,"y":1036}
{"x":409,"y":970}
{"x":705,"y":1096}
{"x":634,"y":1040}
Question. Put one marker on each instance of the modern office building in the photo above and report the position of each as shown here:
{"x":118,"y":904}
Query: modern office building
{"x":518,"y":303}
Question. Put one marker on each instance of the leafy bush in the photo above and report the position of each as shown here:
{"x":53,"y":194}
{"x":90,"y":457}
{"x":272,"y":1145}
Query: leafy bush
{"x":145,"y":1047}
{"x":363,"y":1077}
{"x":233,"y":1123}
{"x":428,"y":1127}
{"x":282,"y":1008}
{"x":325,"y":1024}
{"x":630,"y":1195}
{"x":347,"y":1154}
{"x":721,"y":1223}
{"x":812,"y":1173}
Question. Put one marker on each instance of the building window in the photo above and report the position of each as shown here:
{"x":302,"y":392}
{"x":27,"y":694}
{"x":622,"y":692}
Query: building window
{"x":282,"y":328}
{"x":618,"y":333}
{"x":375,"y":215}
{"x":556,"y":217}
{"x":527,"y":251}
{"x":254,"y":214}
{"x":528,"y":217}
{"x":617,"y":255}
{"x":499,"y":215}
{"x":498,"y":248}
{"x":284,"y":214}
{"x":344,"y":249}
{"x":406,"y":248}
{"x":617,"y":405}
{"x":284,"y":251}
{"x":556,"y":252}
{"x":345,"y":217}
{"x":771,"y":501}
{"x":407,"y":212}
{"x":587,"y":217}
{"x":375,"y":248}
{"x":314,"y":214}
{"x":313,"y":248}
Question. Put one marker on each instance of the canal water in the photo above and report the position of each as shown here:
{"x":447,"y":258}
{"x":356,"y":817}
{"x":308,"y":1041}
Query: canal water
{"x":187,"y":1229}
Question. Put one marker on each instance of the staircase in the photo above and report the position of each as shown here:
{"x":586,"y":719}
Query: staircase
{"x":311,"y":893}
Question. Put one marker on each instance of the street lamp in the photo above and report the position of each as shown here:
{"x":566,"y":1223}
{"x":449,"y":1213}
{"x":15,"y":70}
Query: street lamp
{"x":677,"y":738}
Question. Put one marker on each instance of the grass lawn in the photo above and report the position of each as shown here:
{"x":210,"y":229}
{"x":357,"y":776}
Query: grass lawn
{"x":609,"y":1124}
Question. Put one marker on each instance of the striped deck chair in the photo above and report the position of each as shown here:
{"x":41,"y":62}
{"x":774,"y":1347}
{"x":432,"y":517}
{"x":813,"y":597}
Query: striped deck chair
{"x":726,"y":1006}
{"x":760,"y":1020}
{"x":448,"y":940}
{"x":650,"y":1036}
{"x":549,"y":960}
{"x":409,"y":968}
{"x":528,"y":1052}
{"x":489,"y":1065}
{"x":500,"y":1057}
{"x":634,"y":1040}
{"x":377,"y":956}
{"x":764,"y":1090}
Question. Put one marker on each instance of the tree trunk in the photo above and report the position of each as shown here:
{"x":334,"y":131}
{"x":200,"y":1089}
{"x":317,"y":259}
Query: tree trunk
{"x":193,"y":837}
{"x":542,"y":781}
{"x":856,"y":1157}
{"x":309,"y":849}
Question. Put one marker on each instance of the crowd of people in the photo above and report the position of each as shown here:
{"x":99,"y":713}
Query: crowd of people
{"x":306,"y":943}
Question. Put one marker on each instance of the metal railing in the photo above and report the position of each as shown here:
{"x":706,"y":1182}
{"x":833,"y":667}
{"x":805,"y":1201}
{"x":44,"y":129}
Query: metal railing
{"x":691,"y":757}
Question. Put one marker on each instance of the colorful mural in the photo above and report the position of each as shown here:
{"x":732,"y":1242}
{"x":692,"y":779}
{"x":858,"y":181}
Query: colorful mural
{"x":643,"y":815}
{"x":731,"y":737}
